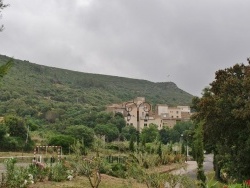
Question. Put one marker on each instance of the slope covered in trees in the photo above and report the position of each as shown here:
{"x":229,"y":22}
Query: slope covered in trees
{"x":67,"y":105}
{"x":30,"y":83}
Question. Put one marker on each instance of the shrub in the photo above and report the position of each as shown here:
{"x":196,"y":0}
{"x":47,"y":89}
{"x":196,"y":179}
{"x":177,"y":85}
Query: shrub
{"x":58,"y":172}
{"x":119,"y":170}
{"x":39,"y":174}
{"x":15,"y":176}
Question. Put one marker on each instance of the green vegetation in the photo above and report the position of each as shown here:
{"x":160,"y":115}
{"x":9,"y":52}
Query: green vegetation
{"x":224,"y":112}
{"x":49,"y":104}
{"x":55,"y":95}
{"x":198,"y":153}
{"x":140,"y":167}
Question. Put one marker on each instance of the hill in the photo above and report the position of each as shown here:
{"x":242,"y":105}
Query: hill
{"x":34,"y":90}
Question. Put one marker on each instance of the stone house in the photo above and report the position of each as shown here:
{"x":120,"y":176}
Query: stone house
{"x":138,"y":113}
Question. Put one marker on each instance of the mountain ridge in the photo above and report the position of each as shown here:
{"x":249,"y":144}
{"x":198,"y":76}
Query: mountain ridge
{"x":29,"y":81}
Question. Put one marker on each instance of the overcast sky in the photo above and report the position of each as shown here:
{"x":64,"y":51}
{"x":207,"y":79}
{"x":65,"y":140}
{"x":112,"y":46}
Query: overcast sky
{"x":181,"y":41}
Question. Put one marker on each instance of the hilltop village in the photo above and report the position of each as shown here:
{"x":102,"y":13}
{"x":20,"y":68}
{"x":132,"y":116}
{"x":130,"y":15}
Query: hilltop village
{"x":140,"y":114}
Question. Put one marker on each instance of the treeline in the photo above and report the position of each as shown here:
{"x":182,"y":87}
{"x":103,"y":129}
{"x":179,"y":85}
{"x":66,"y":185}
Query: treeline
{"x":16,"y":132}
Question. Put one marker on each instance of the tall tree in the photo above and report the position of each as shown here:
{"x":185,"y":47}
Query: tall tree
{"x":198,"y":153}
{"x":81,"y":133}
{"x":225,"y":109}
{"x":16,"y":126}
{"x":165,"y":135}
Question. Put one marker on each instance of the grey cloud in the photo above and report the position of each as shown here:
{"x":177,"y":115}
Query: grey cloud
{"x":141,"y":39}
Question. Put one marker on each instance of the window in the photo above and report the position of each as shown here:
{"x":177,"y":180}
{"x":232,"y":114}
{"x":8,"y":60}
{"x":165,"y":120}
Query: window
{"x":145,"y":125}
{"x":131,"y":124}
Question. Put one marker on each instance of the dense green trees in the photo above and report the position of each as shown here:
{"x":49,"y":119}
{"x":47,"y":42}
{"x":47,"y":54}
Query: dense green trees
{"x":164,"y":135}
{"x":118,"y":121}
{"x":81,"y":133}
{"x":181,"y":129}
{"x":14,"y":134}
{"x":16,"y":126}
{"x":128,"y":132}
{"x":110,"y":131}
{"x":150,"y":133}
{"x":50,"y":99}
{"x":225,"y":110}
{"x":3,"y":131}
{"x":65,"y":141}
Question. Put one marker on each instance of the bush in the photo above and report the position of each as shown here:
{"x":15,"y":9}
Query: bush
{"x":118,"y":146}
{"x":39,"y":174}
{"x":15,"y":176}
{"x":58,"y":172}
{"x":119,"y":170}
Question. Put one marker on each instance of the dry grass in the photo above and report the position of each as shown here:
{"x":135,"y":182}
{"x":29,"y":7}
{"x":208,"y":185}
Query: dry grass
{"x":14,"y":154}
{"x":82,"y":182}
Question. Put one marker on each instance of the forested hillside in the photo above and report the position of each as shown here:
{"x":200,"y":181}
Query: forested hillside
{"x":53,"y":94}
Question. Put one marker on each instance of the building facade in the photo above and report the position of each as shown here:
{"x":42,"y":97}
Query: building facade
{"x":138,"y":113}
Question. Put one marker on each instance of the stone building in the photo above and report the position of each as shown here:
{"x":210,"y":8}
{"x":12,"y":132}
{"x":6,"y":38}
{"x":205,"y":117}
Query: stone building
{"x":138,"y":113}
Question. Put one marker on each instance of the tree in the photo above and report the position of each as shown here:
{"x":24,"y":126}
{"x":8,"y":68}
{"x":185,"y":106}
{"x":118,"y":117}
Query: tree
{"x":18,"y":138}
{"x":88,"y":167}
{"x":119,"y":122}
{"x":131,"y":143}
{"x":109,"y":131}
{"x":174,"y":135}
{"x":159,"y":150}
{"x":164,"y":135}
{"x":225,"y":110}
{"x":2,"y":6}
{"x":81,"y":133}
{"x":150,"y":133}
{"x":64,"y":141}
{"x":2,"y":131}
{"x":103,"y":117}
{"x":128,"y":132}
{"x":16,"y":126}
{"x":183,"y":126}
{"x":198,"y":153}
